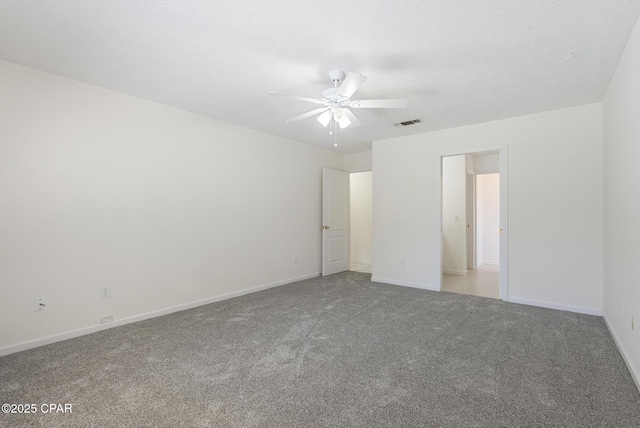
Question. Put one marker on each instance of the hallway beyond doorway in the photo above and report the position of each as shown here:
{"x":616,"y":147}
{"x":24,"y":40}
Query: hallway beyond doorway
{"x":482,"y":281}
{"x":360,"y":267}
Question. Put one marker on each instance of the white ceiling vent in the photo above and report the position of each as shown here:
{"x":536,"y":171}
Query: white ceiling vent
{"x":407,"y":122}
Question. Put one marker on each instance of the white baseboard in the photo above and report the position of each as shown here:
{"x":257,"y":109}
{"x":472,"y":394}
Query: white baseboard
{"x":405,"y":284}
{"x":550,"y":305}
{"x":490,"y":262}
{"x":635,"y":373}
{"x":361,"y":262}
{"x":23,"y":346}
{"x":454,"y":272}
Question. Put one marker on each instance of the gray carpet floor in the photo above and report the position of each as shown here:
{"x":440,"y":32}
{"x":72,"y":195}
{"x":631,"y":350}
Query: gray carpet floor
{"x":339,"y":351}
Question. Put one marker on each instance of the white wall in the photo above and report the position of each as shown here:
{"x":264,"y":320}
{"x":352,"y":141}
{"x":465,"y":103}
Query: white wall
{"x":621,"y":108}
{"x":357,"y":162}
{"x":361,"y":208}
{"x":486,"y":163}
{"x":469,"y":161}
{"x":488,"y":211}
{"x":555,"y":218}
{"x":454,"y":218}
{"x":164,"y":206}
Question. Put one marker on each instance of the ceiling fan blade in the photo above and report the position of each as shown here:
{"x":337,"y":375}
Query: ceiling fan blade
{"x":309,"y":114}
{"x":351,"y":116}
{"x":351,"y":84}
{"x":295,"y":97}
{"x":379,"y":103}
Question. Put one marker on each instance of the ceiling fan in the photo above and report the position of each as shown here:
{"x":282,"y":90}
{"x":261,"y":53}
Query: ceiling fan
{"x":336,"y":101}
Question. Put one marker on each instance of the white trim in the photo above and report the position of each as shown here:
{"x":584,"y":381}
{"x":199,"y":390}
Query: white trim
{"x":558,"y":306}
{"x":405,"y":284}
{"x":635,"y":374}
{"x":490,"y":262}
{"x":454,"y":272}
{"x":23,"y":346}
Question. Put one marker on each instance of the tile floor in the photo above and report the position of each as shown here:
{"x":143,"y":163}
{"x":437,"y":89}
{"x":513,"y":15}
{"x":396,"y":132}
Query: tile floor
{"x":360,"y":267}
{"x":482,"y":281}
{"x":478,"y":282}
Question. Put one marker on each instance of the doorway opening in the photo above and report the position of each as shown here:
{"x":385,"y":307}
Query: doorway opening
{"x":347,"y":228}
{"x":471,"y":224}
{"x":361,"y":214}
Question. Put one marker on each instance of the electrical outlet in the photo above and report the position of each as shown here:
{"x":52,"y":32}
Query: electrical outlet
{"x":39,"y":304}
{"x":105,"y":292}
{"x":295,"y":260}
{"x":632,"y":323}
{"x":105,"y":319}
{"x":403,"y":263}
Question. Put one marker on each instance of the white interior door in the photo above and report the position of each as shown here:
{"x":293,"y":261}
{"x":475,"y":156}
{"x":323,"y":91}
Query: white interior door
{"x":471,"y":220}
{"x":335,"y":221}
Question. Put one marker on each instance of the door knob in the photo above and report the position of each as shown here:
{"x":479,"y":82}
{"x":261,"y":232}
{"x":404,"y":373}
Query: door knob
{"x":325,"y":227}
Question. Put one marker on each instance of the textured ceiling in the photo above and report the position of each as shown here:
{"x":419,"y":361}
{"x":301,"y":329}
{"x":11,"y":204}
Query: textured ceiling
{"x":457,"y":62}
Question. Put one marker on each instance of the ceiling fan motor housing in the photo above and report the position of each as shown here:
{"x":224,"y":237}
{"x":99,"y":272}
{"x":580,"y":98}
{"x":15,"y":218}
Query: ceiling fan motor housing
{"x":336,"y":76}
{"x":335,"y":100}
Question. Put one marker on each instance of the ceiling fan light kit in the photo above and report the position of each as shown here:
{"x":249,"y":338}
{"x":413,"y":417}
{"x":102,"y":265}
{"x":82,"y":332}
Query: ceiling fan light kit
{"x":337,"y":100}
{"x":324,"y":118}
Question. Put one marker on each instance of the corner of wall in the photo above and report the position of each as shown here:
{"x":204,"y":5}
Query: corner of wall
{"x":633,"y":370}
{"x":358,"y":162}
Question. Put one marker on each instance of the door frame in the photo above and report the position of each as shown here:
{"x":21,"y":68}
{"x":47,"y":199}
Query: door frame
{"x":351,"y":222}
{"x":504,"y":218}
